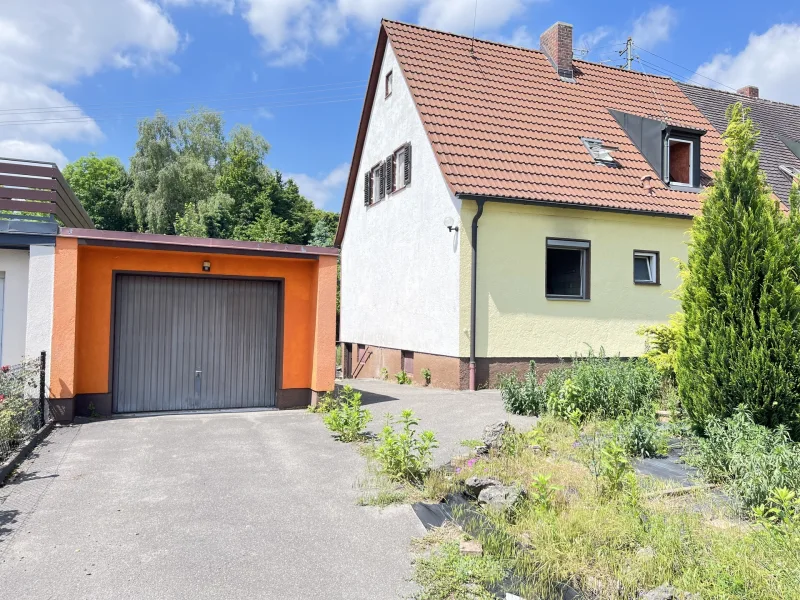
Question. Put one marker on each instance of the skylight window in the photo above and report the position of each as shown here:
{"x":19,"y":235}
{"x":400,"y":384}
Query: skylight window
{"x":601,"y":153}
{"x":792,"y":172}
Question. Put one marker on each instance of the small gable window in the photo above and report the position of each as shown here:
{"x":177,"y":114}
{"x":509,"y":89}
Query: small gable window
{"x":567,"y":269}
{"x":388,"y":84}
{"x":399,"y":179}
{"x":681,"y":162}
{"x":645,"y":267}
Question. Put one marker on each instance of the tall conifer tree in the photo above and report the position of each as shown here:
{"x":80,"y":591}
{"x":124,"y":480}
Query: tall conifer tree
{"x":740,"y":343}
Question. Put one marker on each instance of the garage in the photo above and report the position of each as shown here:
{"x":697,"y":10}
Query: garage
{"x":189,"y":343}
{"x":155,"y":323}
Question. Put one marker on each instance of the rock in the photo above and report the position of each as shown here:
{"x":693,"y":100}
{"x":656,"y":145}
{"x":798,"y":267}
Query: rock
{"x":668,"y":592}
{"x":493,"y":434}
{"x":471,"y":548}
{"x":479,"y":450}
{"x":501,"y":497}
{"x":475,"y":485}
{"x":646,"y":553}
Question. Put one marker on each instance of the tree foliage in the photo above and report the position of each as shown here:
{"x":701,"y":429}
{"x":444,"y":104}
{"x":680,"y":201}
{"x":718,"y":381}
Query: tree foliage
{"x":101,"y":184}
{"x":188,"y":178}
{"x":740,"y":342}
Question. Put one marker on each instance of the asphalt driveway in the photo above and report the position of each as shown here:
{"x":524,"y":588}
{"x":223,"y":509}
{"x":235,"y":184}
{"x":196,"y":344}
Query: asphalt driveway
{"x":258,"y":504}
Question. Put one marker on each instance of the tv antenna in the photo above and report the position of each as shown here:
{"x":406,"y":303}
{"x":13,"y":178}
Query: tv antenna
{"x":474,"y":22}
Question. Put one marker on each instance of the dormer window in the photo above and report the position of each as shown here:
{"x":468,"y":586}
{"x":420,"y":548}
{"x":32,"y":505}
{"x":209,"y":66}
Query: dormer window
{"x":681,"y":162}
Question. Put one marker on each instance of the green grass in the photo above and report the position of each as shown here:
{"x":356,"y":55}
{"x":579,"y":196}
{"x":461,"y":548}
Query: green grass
{"x":619,"y":546}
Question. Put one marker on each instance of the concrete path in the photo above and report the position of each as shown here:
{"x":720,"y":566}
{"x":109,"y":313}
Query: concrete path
{"x":220,"y":505}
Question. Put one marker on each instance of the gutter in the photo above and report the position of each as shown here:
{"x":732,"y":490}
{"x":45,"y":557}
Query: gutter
{"x":473,"y":310}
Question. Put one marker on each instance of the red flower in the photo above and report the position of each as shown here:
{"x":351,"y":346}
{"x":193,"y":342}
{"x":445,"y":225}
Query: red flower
{"x":5,"y":369}
{"x":2,"y":397}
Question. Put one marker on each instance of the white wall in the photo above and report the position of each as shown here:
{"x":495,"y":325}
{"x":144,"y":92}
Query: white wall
{"x":40,"y":303}
{"x":14,"y":264}
{"x":400,"y":265}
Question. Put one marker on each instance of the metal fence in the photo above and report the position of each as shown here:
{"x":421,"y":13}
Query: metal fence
{"x":22,"y":403}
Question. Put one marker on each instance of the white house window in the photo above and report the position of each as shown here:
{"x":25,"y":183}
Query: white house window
{"x":399,"y":161}
{"x":681,"y":161}
{"x":375,"y":184}
{"x":645,"y":267}
{"x":567,"y":269}
{"x":388,"y":84}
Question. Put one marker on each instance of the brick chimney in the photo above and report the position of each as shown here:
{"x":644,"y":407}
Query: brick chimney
{"x":750,"y":91}
{"x":556,"y":43}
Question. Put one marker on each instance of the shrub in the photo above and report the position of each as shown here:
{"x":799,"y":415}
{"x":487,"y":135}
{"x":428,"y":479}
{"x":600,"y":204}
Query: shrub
{"x":662,"y":345}
{"x":740,"y":343}
{"x":403,"y":378}
{"x":329,"y":401}
{"x":595,"y":385}
{"x":348,"y":419}
{"x":640,"y":435}
{"x":384,"y":373}
{"x":405,"y":455}
{"x":426,"y":375}
{"x":750,"y":459}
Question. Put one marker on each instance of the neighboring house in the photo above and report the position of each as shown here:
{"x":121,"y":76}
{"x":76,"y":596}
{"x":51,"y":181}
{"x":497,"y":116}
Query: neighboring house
{"x":27,"y":246}
{"x":779,"y":124}
{"x":507,"y":204}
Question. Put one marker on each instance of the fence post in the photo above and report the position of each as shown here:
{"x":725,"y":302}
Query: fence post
{"x":42,"y":365}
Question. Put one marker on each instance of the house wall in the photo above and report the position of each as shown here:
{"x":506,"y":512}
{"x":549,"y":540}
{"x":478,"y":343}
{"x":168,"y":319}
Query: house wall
{"x":39,"y":332}
{"x":83,"y":313}
{"x":514,"y":319}
{"x":400,"y":264}
{"x":14,"y":266}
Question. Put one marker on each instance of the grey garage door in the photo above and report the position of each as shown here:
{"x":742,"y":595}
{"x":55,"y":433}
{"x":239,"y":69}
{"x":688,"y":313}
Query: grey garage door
{"x":185,"y":343}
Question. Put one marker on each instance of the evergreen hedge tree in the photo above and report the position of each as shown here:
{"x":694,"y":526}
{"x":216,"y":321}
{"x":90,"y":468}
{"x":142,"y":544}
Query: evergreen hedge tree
{"x":740,"y":343}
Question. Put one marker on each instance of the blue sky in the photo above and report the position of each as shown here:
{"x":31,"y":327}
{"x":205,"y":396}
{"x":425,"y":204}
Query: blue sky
{"x":296,"y":70}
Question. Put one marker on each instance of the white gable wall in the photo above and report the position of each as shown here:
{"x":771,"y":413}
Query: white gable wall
{"x":400,"y":264}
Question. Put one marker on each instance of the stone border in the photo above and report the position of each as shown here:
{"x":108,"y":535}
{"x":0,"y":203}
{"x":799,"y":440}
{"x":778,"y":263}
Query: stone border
{"x":23,"y":451}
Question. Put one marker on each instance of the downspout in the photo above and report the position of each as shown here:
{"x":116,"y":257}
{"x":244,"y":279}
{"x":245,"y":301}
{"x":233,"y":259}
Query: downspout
{"x":473,"y":310}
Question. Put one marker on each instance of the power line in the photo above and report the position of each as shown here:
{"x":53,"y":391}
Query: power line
{"x":329,"y":87}
{"x":653,"y":89}
{"x":685,"y":68}
{"x":138,"y":116}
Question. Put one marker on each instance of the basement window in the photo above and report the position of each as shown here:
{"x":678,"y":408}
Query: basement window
{"x":681,"y":162}
{"x":567,"y":269}
{"x":645,"y":267}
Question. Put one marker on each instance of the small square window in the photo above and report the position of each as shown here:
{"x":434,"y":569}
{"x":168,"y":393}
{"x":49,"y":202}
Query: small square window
{"x":567,"y":269}
{"x":645,"y":267}
{"x":388,"y":84}
{"x":398,"y":180}
{"x":681,"y":162}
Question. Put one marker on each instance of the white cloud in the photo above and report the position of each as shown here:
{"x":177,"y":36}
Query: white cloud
{"x":325,"y":189}
{"x":290,"y":30}
{"x":521,"y":38}
{"x":48,"y":43}
{"x":769,"y":61}
{"x":32,"y":151}
{"x":654,"y":26}
{"x":589,"y":41}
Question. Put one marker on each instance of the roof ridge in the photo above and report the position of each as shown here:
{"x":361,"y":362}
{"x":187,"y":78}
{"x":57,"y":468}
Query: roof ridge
{"x":523,"y":48}
{"x":738,"y":95}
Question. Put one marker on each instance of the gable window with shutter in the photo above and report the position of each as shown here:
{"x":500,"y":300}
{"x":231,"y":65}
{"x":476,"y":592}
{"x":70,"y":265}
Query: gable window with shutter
{"x":372,"y":183}
{"x":401,"y":167}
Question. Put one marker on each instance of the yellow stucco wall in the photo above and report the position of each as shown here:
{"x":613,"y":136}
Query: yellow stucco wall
{"x":514,"y":317}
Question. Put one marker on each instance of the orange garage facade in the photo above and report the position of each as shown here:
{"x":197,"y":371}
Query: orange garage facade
{"x":145,"y":323}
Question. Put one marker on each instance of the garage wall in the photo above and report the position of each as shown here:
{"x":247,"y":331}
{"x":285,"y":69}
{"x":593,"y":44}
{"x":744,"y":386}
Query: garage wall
{"x":14,"y":266}
{"x":39,"y":331}
{"x":86,"y":272}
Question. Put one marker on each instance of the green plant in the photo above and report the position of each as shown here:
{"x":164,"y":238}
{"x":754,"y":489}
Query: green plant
{"x":426,"y":375}
{"x":348,"y":419}
{"x":446,"y":574}
{"x":405,"y":455}
{"x":749,"y":459}
{"x":640,"y":435}
{"x":662,"y":345}
{"x":614,"y":469}
{"x":781,"y":512}
{"x":524,"y":396}
{"x":403,"y":378}
{"x":329,"y":401}
{"x":740,"y":343}
{"x":384,"y":373}
{"x":541,"y":492}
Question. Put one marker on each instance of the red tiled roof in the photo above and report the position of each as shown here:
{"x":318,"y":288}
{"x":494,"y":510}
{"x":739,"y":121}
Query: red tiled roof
{"x":502,"y":123}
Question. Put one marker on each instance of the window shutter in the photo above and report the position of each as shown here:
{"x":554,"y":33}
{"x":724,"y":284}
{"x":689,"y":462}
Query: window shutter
{"x":382,"y":180}
{"x":389,"y":174}
{"x":407,"y":174}
{"x":367,"y":180}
